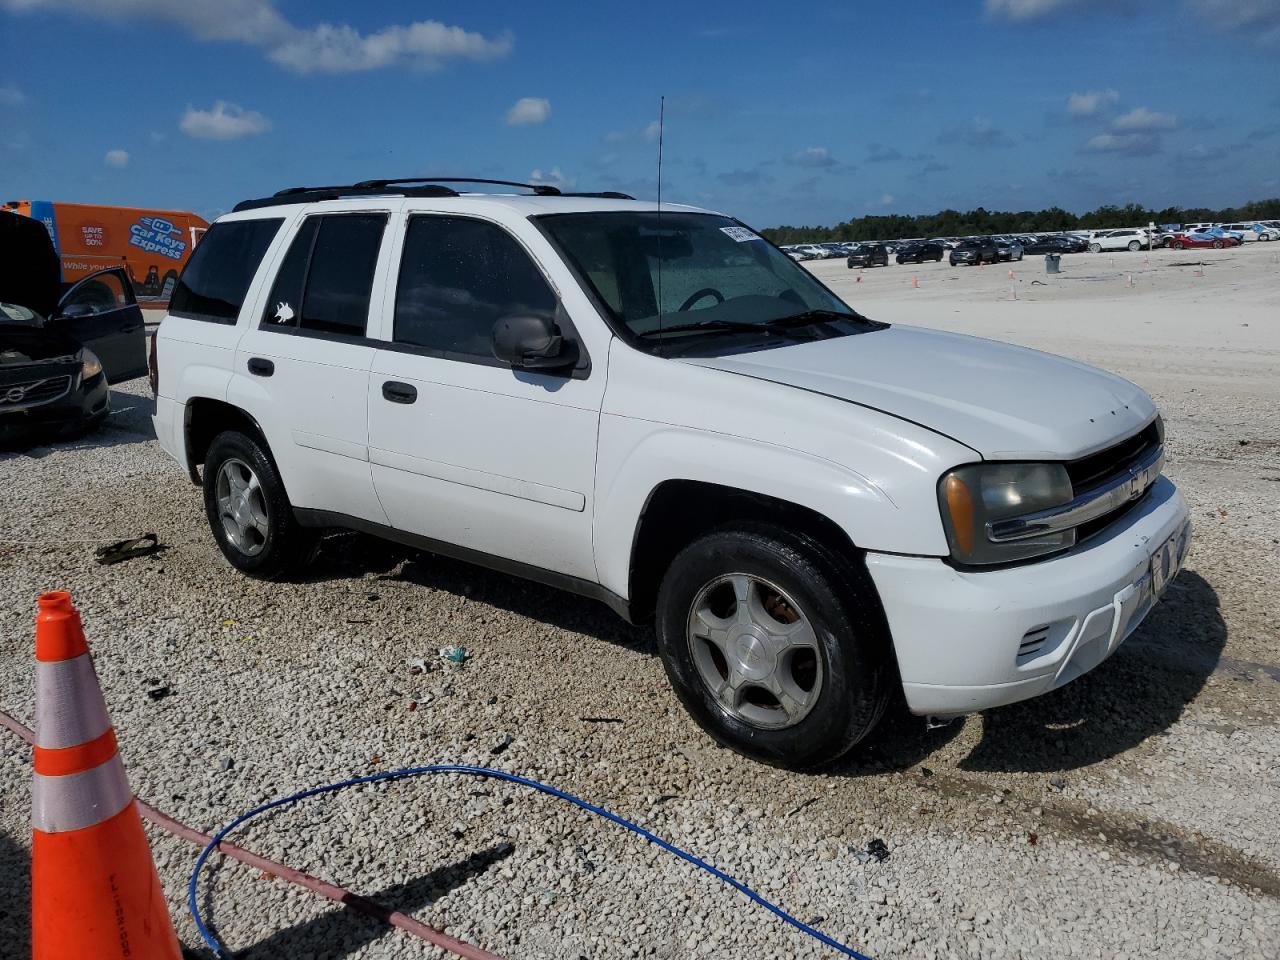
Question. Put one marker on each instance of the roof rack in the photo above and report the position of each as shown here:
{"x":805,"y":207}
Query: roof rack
{"x":407,"y":187}
{"x":538,"y":189}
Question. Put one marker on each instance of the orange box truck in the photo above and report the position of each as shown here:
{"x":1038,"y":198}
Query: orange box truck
{"x":151,"y":245}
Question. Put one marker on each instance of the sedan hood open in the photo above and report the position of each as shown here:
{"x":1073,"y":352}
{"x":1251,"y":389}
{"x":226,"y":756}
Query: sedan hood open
{"x":1005,"y":402}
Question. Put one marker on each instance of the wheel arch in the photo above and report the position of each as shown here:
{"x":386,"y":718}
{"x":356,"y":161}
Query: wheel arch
{"x":205,"y":418}
{"x":679,"y":511}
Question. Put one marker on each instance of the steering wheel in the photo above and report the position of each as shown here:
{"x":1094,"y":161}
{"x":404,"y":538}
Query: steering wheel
{"x":704,"y":292}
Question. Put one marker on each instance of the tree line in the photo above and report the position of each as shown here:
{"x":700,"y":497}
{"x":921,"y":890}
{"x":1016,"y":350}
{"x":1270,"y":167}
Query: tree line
{"x":953,"y":223}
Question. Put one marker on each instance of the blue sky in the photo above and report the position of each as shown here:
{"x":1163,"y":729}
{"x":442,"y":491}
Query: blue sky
{"x":778,"y":113}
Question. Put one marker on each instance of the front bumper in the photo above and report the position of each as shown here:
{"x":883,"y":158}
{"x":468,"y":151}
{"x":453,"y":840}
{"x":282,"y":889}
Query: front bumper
{"x":967,"y":641}
{"x":85,"y":403}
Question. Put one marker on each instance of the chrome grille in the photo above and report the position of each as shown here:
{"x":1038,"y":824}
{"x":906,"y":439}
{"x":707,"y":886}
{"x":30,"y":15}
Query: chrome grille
{"x":14,"y":396}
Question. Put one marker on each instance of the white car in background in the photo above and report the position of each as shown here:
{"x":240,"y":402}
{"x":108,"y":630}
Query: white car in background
{"x":1126,"y":239}
{"x":1252,"y":231}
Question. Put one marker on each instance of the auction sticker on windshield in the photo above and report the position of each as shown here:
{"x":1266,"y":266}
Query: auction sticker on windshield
{"x":739,"y":233}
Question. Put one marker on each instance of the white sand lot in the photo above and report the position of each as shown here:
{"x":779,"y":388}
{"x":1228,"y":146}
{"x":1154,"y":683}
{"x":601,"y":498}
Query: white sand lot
{"x":1133,"y":813}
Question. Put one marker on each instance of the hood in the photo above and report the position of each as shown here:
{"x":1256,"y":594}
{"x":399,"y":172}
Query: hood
{"x":1006,"y":402}
{"x":30,"y":274}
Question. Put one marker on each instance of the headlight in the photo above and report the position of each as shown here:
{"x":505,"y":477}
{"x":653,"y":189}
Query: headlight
{"x":92,"y":365}
{"x":972,"y":497}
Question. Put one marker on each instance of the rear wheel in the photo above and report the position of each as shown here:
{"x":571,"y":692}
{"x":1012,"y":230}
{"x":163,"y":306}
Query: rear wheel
{"x":1217,"y":244}
{"x":1176,"y":244}
{"x":1095,"y":248}
{"x":249,"y":511}
{"x":771,"y":649}
{"x":1134,"y":246}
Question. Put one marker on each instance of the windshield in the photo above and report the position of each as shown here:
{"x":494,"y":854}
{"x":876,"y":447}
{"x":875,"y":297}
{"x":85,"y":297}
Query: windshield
{"x":713,"y":271}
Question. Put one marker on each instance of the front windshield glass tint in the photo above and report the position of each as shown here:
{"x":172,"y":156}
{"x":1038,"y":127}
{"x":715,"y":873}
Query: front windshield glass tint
{"x":712,"y":269}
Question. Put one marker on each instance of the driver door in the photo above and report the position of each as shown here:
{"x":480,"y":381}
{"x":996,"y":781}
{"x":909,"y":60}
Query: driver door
{"x":102,"y":314}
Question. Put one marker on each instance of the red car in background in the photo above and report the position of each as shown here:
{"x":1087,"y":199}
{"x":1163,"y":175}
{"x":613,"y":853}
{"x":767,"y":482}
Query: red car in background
{"x":1187,"y":241}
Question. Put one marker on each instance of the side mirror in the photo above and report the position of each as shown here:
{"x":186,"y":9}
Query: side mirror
{"x":73,"y":310}
{"x":532,"y":342}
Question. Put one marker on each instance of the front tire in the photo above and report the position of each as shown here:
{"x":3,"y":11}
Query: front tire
{"x":249,"y":511}
{"x":1134,"y":246}
{"x":1095,"y":248}
{"x":1217,"y":244}
{"x":774,"y":650}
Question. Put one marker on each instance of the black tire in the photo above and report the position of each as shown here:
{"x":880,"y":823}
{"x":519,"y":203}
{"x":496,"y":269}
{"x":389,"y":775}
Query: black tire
{"x":1217,"y":244}
{"x":286,"y":546}
{"x":841,"y":606}
{"x":1095,"y":248}
{"x":1134,"y":246}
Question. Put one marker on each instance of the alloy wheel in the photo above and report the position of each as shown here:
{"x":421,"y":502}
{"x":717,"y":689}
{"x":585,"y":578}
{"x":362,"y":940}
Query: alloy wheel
{"x":242,"y":507}
{"x":755,"y":651}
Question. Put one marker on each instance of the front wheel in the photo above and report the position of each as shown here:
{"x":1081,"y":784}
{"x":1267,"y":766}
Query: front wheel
{"x":1217,"y":244}
{"x":1134,"y":246}
{"x":773,"y":649}
{"x":1095,"y":248}
{"x":249,"y":511}
{"x":1176,"y":244}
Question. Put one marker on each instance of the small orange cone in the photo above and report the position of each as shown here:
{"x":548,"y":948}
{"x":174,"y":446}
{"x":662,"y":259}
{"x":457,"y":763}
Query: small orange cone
{"x":94,"y":888}
{"x":1011,"y":273}
{"x":915,"y":283}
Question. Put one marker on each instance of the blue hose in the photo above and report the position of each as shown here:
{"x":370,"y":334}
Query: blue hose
{"x":738,"y":885}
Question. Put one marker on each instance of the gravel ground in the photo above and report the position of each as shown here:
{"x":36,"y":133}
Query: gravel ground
{"x":1134,"y":813}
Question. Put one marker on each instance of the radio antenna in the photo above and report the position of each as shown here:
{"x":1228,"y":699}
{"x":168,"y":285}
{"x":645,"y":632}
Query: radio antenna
{"x":662,"y":114}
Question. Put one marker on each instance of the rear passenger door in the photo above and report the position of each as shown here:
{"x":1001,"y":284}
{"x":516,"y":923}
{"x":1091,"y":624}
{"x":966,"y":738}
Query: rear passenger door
{"x":302,"y":367}
{"x":466,"y":450}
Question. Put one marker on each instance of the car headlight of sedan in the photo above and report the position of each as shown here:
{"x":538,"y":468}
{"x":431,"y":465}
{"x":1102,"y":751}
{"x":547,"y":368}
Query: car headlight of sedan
{"x":91,"y":366}
{"x":975,"y":496}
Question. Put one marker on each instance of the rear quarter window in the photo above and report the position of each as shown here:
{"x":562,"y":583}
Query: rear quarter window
{"x":217,"y":277}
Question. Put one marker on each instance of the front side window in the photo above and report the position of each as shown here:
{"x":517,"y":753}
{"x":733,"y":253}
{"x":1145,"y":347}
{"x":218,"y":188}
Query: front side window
{"x":326,"y":279}
{"x":458,"y":277}
{"x":693,"y":271}
{"x":217,"y":277}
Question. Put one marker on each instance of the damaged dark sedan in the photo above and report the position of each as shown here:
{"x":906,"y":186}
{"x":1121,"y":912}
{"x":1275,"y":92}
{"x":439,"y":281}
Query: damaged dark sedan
{"x":59,"y":350}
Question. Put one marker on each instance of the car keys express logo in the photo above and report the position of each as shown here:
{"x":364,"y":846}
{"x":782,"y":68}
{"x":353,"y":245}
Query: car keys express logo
{"x":157,"y":235}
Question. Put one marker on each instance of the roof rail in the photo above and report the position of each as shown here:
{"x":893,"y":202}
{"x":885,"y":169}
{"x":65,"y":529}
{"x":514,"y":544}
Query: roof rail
{"x":315,"y":194}
{"x":539,"y":189}
{"x":407,"y":187}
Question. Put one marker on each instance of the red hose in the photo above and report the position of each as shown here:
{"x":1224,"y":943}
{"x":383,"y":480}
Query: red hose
{"x":329,"y":891}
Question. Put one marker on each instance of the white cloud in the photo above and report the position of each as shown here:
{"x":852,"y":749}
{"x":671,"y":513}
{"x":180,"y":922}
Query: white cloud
{"x":1087,"y":104}
{"x":528,"y":110}
{"x":886,"y":200}
{"x":552,"y":178}
{"x":11,"y":95}
{"x":1259,"y":20}
{"x":116,"y":158}
{"x":1136,"y":144}
{"x":1140,"y":118}
{"x":1025,"y":11}
{"x":813,"y":157}
{"x":323,"y":48}
{"x":652,"y":131}
{"x":224,"y":121}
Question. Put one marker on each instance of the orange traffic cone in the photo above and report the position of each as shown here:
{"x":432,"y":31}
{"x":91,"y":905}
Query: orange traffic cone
{"x":94,"y":888}
{"x":1011,"y":273}
{"x":915,"y":283}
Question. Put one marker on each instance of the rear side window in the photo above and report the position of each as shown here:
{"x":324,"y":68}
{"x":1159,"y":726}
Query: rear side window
{"x":457,"y":278}
{"x":326,"y":280}
{"x":217,"y":277}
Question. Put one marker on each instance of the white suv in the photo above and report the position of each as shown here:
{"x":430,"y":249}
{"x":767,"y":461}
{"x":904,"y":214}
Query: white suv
{"x":657,"y":408}
{"x":1128,"y":239}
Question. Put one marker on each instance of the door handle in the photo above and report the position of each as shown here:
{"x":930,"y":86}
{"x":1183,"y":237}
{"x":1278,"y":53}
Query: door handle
{"x":398,"y":392}
{"x":261,"y":367}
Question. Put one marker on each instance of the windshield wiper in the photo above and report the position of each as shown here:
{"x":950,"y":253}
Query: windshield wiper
{"x":774,"y":327}
{"x":812,"y":317}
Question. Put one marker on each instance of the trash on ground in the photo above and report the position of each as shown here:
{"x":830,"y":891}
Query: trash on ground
{"x":501,"y":746}
{"x":877,"y":848}
{"x":601,"y":720}
{"x":808,"y":803}
{"x":455,"y":655}
{"x":122,"y":550}
{"x":159,"y":693}
{"x":417,"y":665}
